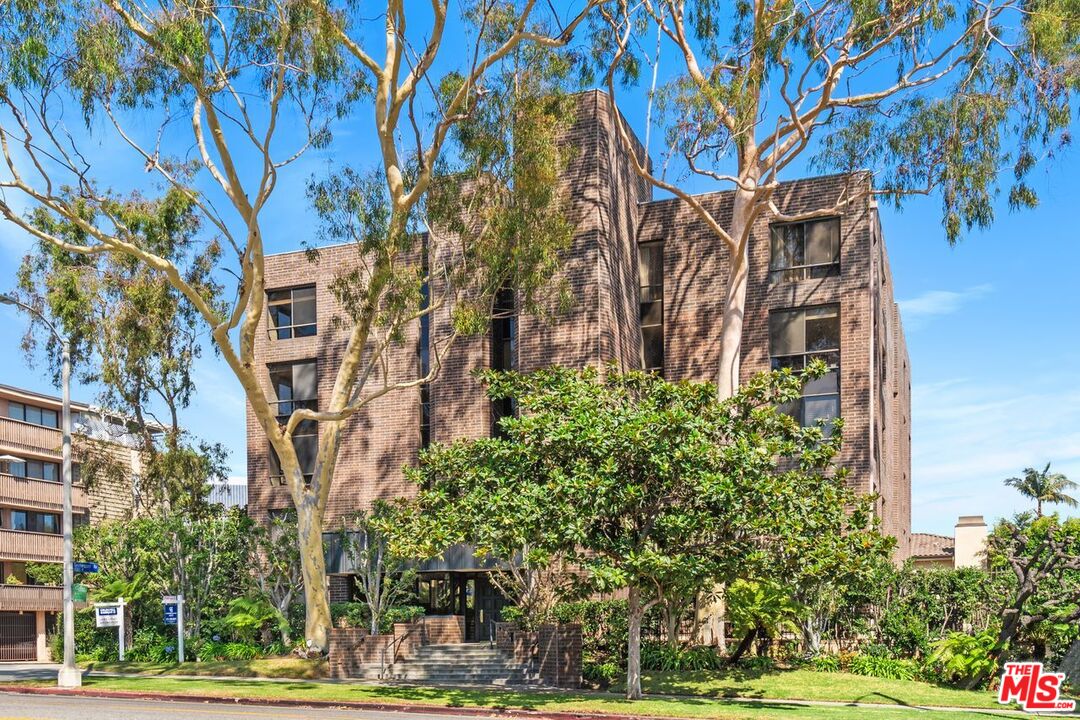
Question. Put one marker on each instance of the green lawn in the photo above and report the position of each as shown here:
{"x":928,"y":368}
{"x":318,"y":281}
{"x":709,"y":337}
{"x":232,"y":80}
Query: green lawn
{"x":735,"y":683}
{"x":522,"y":700}
{"x":277,"y":667}
{"x":810,"y":685}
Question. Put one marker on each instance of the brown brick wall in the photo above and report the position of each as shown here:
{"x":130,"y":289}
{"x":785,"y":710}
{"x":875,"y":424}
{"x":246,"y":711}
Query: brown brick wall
{"x":613,"y":211}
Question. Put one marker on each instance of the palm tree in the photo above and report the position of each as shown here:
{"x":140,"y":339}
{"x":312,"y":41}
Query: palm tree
{"x":1044,"y":487}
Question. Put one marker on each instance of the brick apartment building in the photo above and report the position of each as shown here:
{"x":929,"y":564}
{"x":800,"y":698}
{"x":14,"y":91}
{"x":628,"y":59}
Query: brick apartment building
{"x":649,"y":281}
{"x":31,"y":506}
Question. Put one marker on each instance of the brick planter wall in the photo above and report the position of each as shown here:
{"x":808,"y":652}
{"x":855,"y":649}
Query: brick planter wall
{"x":353,"y":647}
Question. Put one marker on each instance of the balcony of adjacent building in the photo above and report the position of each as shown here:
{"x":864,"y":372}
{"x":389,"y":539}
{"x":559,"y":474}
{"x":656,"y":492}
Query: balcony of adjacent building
{"x":32,"y":598}
{"x":39,"y":494}
{"x":21,"y":436}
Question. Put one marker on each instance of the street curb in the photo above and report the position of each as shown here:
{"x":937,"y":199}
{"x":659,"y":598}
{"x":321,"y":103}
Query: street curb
{"x":331,"y":704}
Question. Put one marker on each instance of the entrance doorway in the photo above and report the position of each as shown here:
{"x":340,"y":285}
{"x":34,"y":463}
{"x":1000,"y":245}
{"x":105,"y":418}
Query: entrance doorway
{"x":469,"y":594}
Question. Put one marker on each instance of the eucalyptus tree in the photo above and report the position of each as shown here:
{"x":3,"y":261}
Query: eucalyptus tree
{"x":958,"y":98}
{"x":218,"y":102}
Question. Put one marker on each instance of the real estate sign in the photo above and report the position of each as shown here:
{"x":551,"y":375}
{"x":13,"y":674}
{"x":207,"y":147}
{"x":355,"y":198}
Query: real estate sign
{"x":107,"y":615}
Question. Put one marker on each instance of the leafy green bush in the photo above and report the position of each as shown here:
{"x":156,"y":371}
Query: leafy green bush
{"x":150,"y":644}
{"x":602,"y":674}
{"x":350,"y":614}
{"x":961,"y":658}
{"x":401,"y":614}
{"x":661,"y":656}
{"x":603,"y":629}
{"x":885,"y":668}
{"x":512,"y":613}
{"x":825,"y":663}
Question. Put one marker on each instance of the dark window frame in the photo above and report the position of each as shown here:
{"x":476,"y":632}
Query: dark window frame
{"x":779,"y":273}
{"x":33,"y":469}
{"x":35,"y":521}
{"x":307,"y":432}
{"x":33,"y":414}
{"x":281,"y":297}
{"x":504,"y":347}
{"x":651,"y":306}
{"x":798,"y":360}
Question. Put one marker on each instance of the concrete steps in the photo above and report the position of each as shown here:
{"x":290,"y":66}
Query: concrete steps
{"x":466,"y":664}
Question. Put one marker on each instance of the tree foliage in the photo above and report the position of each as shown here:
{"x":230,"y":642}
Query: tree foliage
{"x":643,"y":484}
{"x":218,"y":102}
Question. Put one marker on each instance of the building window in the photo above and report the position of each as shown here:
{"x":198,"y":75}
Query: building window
{"x":29,"y":521}
{"x":37,"y":469}
{"x":423,"y":353}
{"x":292,"y":312}
{"x":805,"y":250}
{"x":795,"y":338}
{"x":651,"y":273}
{"x":503,"y":352}
{"x":32,"y":414}
{"x":295,"y":387}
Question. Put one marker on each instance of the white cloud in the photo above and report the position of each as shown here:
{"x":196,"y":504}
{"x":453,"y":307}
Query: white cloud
{"x":968,"y":437}
{"x":931,"y":303}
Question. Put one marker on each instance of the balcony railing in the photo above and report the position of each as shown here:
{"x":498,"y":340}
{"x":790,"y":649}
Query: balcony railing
{"x":31,"y":598}
{"x":18,"y":435}
{"x":35,"y":494}
{"x":31,"y":546}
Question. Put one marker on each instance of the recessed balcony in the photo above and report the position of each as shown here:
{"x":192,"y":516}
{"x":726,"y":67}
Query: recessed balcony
{"x":31,"y":546}
{"x":35,"y":494}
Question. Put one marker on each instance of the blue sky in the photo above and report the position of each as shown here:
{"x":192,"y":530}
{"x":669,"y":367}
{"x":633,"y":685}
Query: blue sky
{"x":991,"y":326}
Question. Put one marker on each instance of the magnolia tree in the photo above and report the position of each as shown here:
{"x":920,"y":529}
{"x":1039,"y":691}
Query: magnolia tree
{"x":219,"y":103}
{"x":646,"y":485}
{"x":957,"y":98}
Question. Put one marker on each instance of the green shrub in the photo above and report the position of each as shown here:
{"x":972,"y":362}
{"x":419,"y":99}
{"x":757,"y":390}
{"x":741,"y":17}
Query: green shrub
{"x":350,"y":614}
{"x":401,"y":614}
{"x":602,"y":675}
{"x":661,"y":656}
{"x":603,"y":629}
{"x":512,"y":613}
{"x":960,"y":658}
{"x":825,"y":663}
{"x":885,"y":668}
{"x":149,"y":644}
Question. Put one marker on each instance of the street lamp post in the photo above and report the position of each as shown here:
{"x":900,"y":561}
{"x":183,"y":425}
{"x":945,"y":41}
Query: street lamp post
{"x":69,"y":675}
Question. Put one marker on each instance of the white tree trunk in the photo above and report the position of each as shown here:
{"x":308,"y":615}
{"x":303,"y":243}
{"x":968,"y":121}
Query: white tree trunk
{"x":313,"y":566}
{"x":731,"y":327}
{"x":635,"y":612}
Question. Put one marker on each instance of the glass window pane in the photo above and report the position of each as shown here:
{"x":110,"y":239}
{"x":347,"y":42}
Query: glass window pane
{"x":303,"y":301}
{"x":18,"y":469}
{"x":822,"y":329}
{"x":786,"y":333}
{"x":823,"y":242}
{"x":652,"y":313}
{"x":823,"y":407}
{"x":49,"y":524}
{"x":48,"y":418}
{"x":653,"y":340}
{"x":50,"y":472}
{"x":18,"y":520}
{"x":827,"y":383}
{"x":305,"y":381}
{"x":307,"y":446}
{"x":275,"y":463}
{"x":281,"y":383}
{"x":16,"y":411}
{"x":787,"y":246}
{"x":33,"y":414}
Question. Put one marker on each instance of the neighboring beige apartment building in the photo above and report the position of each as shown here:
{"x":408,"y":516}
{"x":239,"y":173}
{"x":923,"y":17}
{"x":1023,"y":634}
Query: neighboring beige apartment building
{"x":31,"y":507}
{"x":649,"y":281}
{"x":966,"y":547}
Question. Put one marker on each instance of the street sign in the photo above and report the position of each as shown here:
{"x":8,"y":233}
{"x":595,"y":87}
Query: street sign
{"x":174,"y":615}
{"x":78,"y":592}
{"x":170,"y":613}
{"x":85,"y":567}
{"x":107,"y":615}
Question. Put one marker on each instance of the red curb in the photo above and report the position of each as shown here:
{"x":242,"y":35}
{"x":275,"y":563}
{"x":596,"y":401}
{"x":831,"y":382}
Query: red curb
{"x":330,"y":704}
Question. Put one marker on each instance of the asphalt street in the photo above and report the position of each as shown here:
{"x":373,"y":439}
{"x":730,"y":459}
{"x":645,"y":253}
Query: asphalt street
{"x":52,"y":707}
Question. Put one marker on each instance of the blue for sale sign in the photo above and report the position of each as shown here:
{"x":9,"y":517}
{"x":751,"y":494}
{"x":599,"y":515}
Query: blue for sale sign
{"x":170,"y":613}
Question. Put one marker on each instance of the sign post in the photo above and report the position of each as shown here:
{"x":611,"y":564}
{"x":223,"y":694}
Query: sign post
{"x":112,"y":615}
{"x":174,"y":615}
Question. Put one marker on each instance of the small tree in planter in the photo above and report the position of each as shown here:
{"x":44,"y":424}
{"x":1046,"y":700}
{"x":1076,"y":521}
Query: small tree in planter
{"x":383,"y":577}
